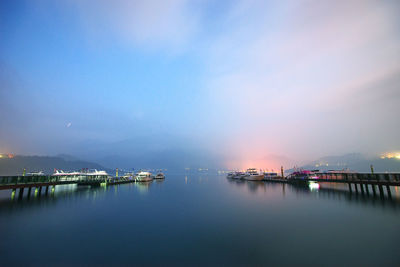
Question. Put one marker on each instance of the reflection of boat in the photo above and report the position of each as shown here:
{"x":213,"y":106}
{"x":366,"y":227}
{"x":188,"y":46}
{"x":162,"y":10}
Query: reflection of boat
{"x":253,"y":175}
{"x":144,"y":177}
{"x":160,"y":176}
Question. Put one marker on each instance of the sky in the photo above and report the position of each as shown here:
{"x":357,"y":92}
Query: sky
{"x":233,"y":84}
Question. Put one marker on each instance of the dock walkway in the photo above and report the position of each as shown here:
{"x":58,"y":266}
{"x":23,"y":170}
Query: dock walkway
{"x":50,"y":181}
{"x":362,"y":182}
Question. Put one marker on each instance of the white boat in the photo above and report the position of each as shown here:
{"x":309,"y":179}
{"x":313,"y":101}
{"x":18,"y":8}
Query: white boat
{"x":239,"y":175}
{"x":270,"y":175}
{"x":236,"y":175}
{"x":129,"y":175}
{"x":160,"y":176}
{"x":35,"y":173}
{"x":144,"y":177}
{"x":93,"y":173}
{"x":62,"y":173}
{"x":252,"y":175}
{"x":231,"y":175}
{"x":66,"y":176}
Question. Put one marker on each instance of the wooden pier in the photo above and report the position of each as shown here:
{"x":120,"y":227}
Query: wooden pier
{"x":39,"y":183}
{"x":357,"y":182}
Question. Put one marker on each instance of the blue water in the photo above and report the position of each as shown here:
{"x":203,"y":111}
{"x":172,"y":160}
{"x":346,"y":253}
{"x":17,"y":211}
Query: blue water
{"x":200,"y":220}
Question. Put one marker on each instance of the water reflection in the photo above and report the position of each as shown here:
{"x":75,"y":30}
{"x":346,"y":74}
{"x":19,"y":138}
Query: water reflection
{"x":9,"y":200}
{"x":143,"y":187}
{"x":331,"y":191}
{"x":61,"y":193}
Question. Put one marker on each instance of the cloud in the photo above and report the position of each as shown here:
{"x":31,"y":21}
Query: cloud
{"x":284,"y":76}
{"x":169,"y":23}
{"x":296,"y":78}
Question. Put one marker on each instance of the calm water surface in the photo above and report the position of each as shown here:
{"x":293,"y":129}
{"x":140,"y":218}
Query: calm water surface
{"x":200,"y":220}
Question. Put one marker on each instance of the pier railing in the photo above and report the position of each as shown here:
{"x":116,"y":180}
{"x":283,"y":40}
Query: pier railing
{"x":376,"y":177}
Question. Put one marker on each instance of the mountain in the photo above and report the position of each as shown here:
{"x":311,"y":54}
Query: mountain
{"x":355,"y":162}
{"x":15,"y":166}
{"x":149,"y":151}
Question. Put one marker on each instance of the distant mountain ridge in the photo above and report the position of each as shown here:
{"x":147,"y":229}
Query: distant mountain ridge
{"x":47,"y":164}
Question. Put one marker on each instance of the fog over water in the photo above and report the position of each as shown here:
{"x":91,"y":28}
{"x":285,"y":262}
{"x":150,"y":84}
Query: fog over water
{"x":180,"y":83}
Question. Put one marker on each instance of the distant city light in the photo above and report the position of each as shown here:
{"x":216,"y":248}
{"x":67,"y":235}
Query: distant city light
{"x":3,"y":156}
{"x":390,"y":155}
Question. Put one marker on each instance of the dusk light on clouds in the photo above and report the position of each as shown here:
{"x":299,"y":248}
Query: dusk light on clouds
{"x":257,"y":83}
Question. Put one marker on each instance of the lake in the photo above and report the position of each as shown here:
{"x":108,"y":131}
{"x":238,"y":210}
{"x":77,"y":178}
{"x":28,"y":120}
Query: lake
{"x":200,"y":219}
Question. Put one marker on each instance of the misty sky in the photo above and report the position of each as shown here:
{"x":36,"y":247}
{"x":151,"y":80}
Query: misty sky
{"x":244,"y":83}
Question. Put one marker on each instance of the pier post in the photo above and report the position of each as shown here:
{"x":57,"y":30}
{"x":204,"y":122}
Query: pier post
{"x":381,"y":190}
{"x":350,"y":187}
{"x":355,"y":186}
{"x":47,"y":190}
{"x":362,"y":188}
{"x":29,"y":191}
{"x":388,"y":191}
{"x":40,"y":190}
{"x":373,"y":189}
{"x":366,"y":188}
{"x":21,"y":193}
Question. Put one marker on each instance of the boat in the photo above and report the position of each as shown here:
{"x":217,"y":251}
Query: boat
{"x":40,"y":173}
{"x":62,"y":173}
{"x":235,"y":175}
{"x":231,"y":175}
{"x":66,"y":176}
{"x":144,"y":177}
{"x":129,"y":175}
{"x":239,"y":175}
{"x":93,"y":173}
{"x":252,"y":175}
{"x":303,"y":175}
{"x":160,"y":176}
{"x":270,"y":175}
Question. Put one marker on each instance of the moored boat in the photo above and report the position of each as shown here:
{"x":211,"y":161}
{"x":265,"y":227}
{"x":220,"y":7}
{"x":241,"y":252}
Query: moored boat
{"x":40,"y":173}
{"x":270,"y":175}
{"x":159,"y":176}
{"x":252,"y":175}
{"x":144,"y":177}
{"x":93,"y":173}
{"x":303,"y":175}
{"x":235,"y":175}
